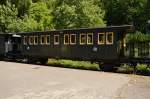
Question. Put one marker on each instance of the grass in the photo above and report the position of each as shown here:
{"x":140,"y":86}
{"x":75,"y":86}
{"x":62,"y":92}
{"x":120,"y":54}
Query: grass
{"x":141,"y":69}
{"x":86,"y":65}
{"x":73,"y":64}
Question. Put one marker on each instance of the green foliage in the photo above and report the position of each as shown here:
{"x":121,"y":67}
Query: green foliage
{"x":134,"y":12}
{"x":65,"y":16}
{"x":8,"y":15}
{"x":25,"y":25}
{"x":40,"y":13}
{"x":84,"y":13}
{"x":22,"y":15}
{"x":137,"y":37}
{"x":73,"y":64}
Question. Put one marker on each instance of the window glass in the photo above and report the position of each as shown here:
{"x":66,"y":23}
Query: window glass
{"x":90,"y":38}
{"x":82,"y":39}
{"x":31,"y":40}
{"x":101,"y":38}
{"x":56,"y":39}
{"x":73,"y":38}
{"x":35,"y":40}
{"x":109,"y":38}
{"x":25,"y":40}
{"x":43,"y":40}
{"x":66,"y":39}
{"x":47,"y":39}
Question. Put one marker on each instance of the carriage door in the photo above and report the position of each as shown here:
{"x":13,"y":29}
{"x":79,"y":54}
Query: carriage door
{"x":8,"y":44}
{"x":16,"y":43}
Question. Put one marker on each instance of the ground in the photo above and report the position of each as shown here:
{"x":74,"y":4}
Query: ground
{"x":25,"y":81}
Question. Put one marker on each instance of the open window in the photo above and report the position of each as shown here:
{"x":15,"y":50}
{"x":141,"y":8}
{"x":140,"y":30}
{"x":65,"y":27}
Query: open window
{"x":35,"y":40}
{"x":109,"y":38}
{"x":31,"y":40}
{"x":47,"y":39}
{"x":56,"y":39}
{"x":90,"y":38}
{"x":43,"y":39}
{"x":101,"y":38}
{"x":25,"y":40}
{"x":66,"y":39}
{"x":82,"y":39}
{"x":72,"y":39}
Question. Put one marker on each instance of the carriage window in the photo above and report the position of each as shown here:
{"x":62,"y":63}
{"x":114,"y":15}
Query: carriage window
{"x":43,"y":39}
{"x":25,"y":40}
{"x":82,"y":39}
{"x":56,"y":39}
{"x":35,"y":40}
{"x":31,"y":40}
{"x":47,"y":39}
{"x":101,"y":38}
{"x":66,"y":39}
{"x":90,"y":38}
{"x":109,"y":38}
{"x":73,"y":39}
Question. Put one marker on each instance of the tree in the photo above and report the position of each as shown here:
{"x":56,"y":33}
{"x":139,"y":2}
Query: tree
{"x":123,"y":11}
{"x":143,"y":18}
{"x":24,"y":25}
{"x":8,"y":15}
{"x":40,"y":13}
{"x":89,"y":14}
{"x":78,"y":14}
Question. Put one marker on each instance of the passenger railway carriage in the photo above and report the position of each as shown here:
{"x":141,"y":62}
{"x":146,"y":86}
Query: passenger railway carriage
{"x":103,"y":45}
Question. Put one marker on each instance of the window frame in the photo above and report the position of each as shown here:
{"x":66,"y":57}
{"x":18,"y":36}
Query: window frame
{"x":48,"y":43}
{"x":66,"y":43}
{"x":108,"y":43}
{"x":31,"y":38}
{"x":85,"y":39}
{"x":25,"y":40}
{"x":104,"y":37}
{"x":36,"y":43}
{"x":41,"y":42}
{"x":57,"y":43}
{"x":89,"y":43}
{"x":71,"y":39}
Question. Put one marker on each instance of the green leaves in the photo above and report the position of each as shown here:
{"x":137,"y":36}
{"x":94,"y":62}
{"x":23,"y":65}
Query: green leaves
{"x":65,"y":16}
{"x":137,"y":37}
{"x":40,"y":13}
{"x":78,"y":14}
{"x":8,"y":15}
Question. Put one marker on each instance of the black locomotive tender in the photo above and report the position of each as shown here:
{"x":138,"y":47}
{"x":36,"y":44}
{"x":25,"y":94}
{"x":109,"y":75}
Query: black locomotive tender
{"x":105,"y":46}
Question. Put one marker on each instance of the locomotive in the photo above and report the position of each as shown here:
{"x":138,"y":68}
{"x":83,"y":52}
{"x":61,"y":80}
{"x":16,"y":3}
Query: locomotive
{"x":104,"y":45}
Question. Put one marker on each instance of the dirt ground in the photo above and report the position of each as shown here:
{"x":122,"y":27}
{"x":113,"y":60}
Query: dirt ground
{"x":25,"y":81}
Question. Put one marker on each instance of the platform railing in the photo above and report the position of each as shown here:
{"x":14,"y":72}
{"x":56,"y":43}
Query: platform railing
{"x":137,"y":50}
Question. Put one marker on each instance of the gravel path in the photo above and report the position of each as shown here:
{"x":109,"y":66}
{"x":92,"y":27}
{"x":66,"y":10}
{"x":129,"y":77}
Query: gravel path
{"x":24,"y":81}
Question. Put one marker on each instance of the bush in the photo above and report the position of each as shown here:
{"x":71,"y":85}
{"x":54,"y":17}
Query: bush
{"x":73,"y":64}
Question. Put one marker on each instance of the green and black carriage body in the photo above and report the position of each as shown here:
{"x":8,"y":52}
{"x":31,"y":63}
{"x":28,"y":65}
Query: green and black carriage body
{"x":103,"y":45}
